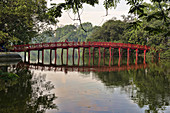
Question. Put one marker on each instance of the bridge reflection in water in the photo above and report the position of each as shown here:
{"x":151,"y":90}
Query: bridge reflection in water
{"x":86,"y":65}
{"x":66,"y":68}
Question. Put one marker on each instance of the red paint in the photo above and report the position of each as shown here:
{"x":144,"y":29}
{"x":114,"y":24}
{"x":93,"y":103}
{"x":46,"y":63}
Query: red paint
{"x":119,"y":52}
{"x":144,"y":61}
{"x":110,"y":51}
{"x":99,"y":52}
{"x":128,"y":56}
{"x":136,"y":62}
{"x":78,"y":55}
{"x":89,"y":52}
{"x":62,"y":56}
{"x":53,"y":45}
{"x":65,"y":45}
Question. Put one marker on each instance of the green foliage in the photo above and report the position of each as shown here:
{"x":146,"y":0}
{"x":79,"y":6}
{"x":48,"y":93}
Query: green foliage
{"x":69,"y":32}
{"x":112,"y":30}
{"x":20,"y":19}
{"x":8,"y":76}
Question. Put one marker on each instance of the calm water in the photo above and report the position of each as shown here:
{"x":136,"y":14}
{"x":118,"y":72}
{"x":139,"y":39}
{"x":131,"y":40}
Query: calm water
{"x":88,"y":88}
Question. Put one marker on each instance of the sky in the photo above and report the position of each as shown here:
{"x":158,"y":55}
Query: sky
{"x":94,"y":15}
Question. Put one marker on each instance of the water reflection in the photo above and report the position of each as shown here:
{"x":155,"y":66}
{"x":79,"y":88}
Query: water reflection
{"x":27,"y":94}
{"x":89,"y":87}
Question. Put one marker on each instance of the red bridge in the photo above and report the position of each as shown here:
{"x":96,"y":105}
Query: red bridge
{"x":78,"y":45}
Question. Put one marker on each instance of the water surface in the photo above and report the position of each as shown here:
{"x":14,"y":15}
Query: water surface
{"x":68,"y":89}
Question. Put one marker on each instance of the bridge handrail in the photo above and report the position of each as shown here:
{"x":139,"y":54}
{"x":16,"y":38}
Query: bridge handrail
{"x":80,"y":44}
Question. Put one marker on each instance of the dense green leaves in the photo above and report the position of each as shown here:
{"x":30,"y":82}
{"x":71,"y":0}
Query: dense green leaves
{"x":112,"y":30}
{"x":68,"y":32}
{"x":22,"y":19}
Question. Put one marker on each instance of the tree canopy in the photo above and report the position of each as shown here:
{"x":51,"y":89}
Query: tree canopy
{"x":20,"y":20}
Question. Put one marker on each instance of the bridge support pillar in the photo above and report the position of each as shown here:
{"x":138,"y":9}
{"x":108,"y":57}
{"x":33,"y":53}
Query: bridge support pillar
{"x":89,"y":52}
{"x":113,"y":56}
{"x":110,"y":51}
{"x":42,"y":56}
{"x":83,"y":55}
{"x":119,"y":56}
{"x":144,"y":60}
{"x":89,"y":60}
{"x":119,"y":61}
{"x":128,"y":56}
{"x":136,"y":62}
{"x":99,"y":52}
{"x":55,"y":56}
{"x":73,"y":55}
{"x":62,"y":56}
{"x":119,"y":52}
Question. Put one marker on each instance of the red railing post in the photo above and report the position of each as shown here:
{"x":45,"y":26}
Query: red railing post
{"x":136,"y":56}
{"x":89,"y":52}
{"x":144,"y":56}
{"x":128,"y":56}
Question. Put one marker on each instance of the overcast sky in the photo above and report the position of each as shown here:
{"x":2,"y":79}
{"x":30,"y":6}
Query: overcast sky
{"x":95,"y":15}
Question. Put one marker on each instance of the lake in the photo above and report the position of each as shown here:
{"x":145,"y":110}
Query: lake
{"x":84,"y":87}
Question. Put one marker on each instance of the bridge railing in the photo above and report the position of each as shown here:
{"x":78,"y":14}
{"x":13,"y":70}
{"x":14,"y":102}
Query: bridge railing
{"x":78,"y":44}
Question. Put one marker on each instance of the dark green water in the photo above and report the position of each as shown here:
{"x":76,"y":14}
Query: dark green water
{"x":44,"y":90}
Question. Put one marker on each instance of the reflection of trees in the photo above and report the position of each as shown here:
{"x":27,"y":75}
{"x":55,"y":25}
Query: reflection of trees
{"x":153,"y":88}
{"x":28,"y":95}
{"x":149,"y":87}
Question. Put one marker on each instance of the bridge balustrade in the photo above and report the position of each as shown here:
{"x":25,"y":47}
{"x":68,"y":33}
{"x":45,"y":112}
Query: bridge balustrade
{"x":53,"y":45}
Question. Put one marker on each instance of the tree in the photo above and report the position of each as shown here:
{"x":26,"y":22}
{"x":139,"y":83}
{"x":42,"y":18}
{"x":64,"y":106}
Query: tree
{"x":112,"y":30}
{"x":21,"y":20}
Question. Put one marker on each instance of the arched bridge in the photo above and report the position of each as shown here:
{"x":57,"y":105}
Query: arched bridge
{"x":78,"y":45}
